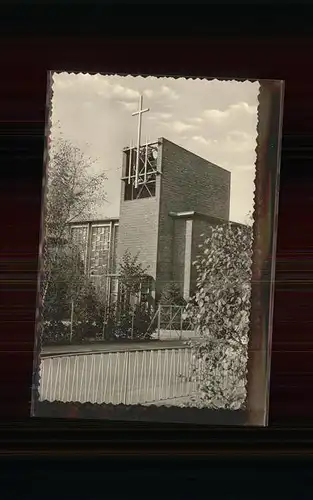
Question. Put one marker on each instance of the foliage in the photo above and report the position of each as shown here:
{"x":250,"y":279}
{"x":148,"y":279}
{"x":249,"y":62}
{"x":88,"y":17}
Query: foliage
{"x":172,"y":306}
{"x":88,"y":314}
{"x":220,"y":312}
{"x":131,"y":273}
{"x":68,"y":280}
{"x":171,"y":295}
{"x":71,"y":289}
{"x":56,"y":332}
{"x":131,"y":320}
{"x":72,"y":192}
{"x":129,"y":324}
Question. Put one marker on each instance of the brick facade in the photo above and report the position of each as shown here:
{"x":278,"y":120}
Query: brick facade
{"x":185,"y":183}
{"x":188,"y":183}
{"x":138,"y":231}
{"x":138,"y":226}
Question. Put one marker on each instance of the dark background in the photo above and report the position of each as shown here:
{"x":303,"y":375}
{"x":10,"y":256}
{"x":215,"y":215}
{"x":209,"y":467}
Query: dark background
{"x":231,"y":41}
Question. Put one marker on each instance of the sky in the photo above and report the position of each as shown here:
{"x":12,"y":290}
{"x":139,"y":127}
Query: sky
{"x":214,"y":119}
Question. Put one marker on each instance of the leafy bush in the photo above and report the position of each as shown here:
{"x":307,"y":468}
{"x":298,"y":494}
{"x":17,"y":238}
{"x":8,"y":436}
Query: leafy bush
{"x":73,"y":191}
{"x":220,"y":312}
{"x":172,"y":307}
{"x":171,"y":295}
{"x":129,"y":325}
{"x":55,"y":332}
{"x":131,"y":273}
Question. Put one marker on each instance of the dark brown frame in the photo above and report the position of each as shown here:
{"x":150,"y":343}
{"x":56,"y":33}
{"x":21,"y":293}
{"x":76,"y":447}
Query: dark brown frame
{"x":268,"y":41}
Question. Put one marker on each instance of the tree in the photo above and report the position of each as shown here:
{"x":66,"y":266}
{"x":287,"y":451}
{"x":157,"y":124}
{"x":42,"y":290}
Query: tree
{"x":172,"y":308}
{"x":132,"y":321}
{"x":71,"y":297}
{"x":131,"y":273}
{"x":220,"y":312}
{"x":171,"y":295}
{"x":72,"y":192}
{"x":68,"y":279}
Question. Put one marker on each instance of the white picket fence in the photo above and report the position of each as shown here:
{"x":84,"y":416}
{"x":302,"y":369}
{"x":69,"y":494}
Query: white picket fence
{"x":128,"y":377}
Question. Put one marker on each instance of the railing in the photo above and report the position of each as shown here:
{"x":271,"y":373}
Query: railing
{"x":128,"y":377}
{"x":171,"y":322}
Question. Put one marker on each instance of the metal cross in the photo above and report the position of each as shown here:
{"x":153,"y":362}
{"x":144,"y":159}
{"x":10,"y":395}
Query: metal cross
{"x":139,"y":113}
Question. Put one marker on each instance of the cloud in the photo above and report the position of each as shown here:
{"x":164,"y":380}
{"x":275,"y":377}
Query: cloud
{"x":163,"y":92}
{"x":240,"y":142}
{"x":161,"y":116}
{"x":215,"y":114}
{"x":243,"y":106}
{"x":168,"y":92}
{"x":201,"y":140}
{"x":61,"y":83}
{"x":196,"y":120}
{"x":179,"y":126}
{"x":240,"y":108}
{"x":239,"y":135}
{"x":129,"y":106}
{"x":149,"y":93}
{"x":124,"y":92}
{"x":234,"y":142}
{"x":99,"y":85}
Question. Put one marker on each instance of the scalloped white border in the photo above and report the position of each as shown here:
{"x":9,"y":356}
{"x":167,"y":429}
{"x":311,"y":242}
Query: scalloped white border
{"x":48,"y":127}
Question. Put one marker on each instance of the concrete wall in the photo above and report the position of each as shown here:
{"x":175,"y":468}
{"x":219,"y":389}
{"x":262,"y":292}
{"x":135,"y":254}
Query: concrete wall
{"x":178,"y":258}
{"x":188,"y":183}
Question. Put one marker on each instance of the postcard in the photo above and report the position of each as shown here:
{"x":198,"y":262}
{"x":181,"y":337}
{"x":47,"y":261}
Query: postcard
{"x":157,"y":256}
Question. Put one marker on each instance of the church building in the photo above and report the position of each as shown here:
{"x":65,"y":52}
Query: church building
{"x":169,"y":198}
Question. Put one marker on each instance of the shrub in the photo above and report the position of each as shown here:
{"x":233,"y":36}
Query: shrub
{"x":131,"y":325}
{"x":171,"y":295}
{"x":55,"y":332}
{"x":172,"y":307}
{"x":220,"y":312}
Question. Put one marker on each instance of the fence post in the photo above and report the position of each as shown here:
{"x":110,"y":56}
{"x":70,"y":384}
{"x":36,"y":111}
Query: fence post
{"x":159,"y":321}
{"x":105,"y":315}
{"x":132,"y":325}
{"x":171,"y":318}
{"x":72,"y":316}
{"x":181,"y":322}
{"x":126,"y":377}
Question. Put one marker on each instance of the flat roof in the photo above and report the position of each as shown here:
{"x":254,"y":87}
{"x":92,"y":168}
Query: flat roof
{"x":191,"y":214}
{"x":94,"y":221}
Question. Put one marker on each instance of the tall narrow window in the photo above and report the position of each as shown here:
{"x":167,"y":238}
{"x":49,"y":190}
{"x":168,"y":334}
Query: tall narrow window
{"x":80,"y":239}
{"x":99,"y":255}
{"x":114,"y":249}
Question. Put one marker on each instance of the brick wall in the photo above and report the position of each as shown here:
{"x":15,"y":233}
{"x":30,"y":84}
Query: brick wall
{"x":138,"y":231}
{"x":138,"y":228}
{"x":188,"y":182}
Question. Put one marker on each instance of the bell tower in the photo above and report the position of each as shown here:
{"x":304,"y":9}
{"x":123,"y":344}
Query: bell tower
{"x":140,"y":169}
{"x":163,"y":186}
{"x":140,"y":193}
